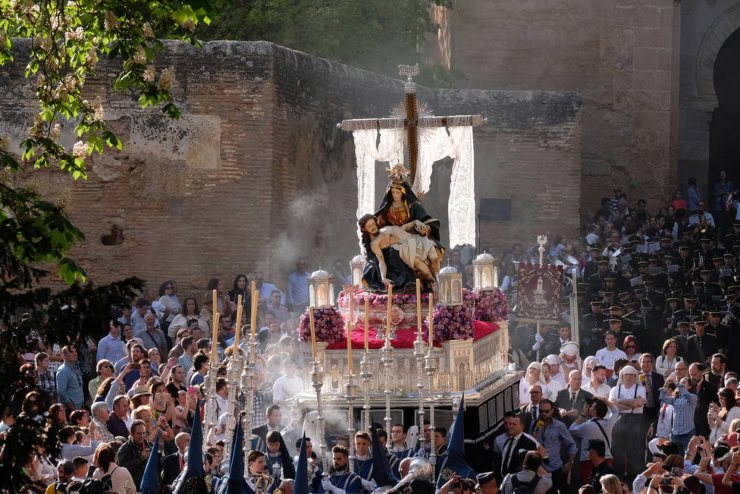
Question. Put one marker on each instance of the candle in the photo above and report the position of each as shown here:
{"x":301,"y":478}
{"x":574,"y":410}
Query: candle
{"x":431,"y":320}
{"x":349,"y":346}
{"x":495,"y":276}
{"x":388,"y":314}
{"x":418,"y":304}
{"x":352,"y":307}
{"x":238,"y":325}
{"x":367,"y":322}
{"x":255,"y":299}
{"x":313,"y":333}
{"x":214,"y":322}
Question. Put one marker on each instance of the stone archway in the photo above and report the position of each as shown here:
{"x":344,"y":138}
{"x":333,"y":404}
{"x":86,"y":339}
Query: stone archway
{"x":720,"y":30}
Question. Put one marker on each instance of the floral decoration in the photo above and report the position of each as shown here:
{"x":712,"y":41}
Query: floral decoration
{"x":453,"y":322}
{"x":330,"y":327}
{"x":490,"y":306}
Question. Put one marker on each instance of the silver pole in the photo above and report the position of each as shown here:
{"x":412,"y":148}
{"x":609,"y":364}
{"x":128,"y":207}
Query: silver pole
{"x":387,"y":361}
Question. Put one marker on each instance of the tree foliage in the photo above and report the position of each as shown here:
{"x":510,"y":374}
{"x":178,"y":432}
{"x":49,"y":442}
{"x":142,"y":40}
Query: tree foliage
{"x":67,"y":40}
{"x":377,"y":35}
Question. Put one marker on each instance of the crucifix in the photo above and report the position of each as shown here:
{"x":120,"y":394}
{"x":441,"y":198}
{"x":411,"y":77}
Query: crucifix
{"x":411,"y":118}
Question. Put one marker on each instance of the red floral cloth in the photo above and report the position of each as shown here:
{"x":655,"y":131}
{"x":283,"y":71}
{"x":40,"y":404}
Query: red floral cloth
{"x":405,"y":337}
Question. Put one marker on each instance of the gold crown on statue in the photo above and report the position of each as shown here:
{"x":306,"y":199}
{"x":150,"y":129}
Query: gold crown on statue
{"x":398,"y":174}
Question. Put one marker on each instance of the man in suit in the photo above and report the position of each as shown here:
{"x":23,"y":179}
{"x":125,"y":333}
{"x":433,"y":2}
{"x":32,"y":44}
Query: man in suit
{"x":531,"y":412}
{"x":509,"y":448}
{"x":274,"y":418}
{"x":652,"y":381}
{"x":173,"y":464}
{"x":570,"y":400}
{"x":706,"y":393}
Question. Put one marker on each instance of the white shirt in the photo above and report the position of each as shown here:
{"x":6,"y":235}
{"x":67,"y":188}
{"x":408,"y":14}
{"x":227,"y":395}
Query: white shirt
{"x":621,"y":392}
{"x":550,"y":390}
{"x":607,"y":357}
{"x":602,"y":390}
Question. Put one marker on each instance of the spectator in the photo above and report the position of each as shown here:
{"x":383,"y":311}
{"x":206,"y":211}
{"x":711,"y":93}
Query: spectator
{"x":69,"y":380}
{"x":134,"y":453}
{"x":297,"y":298}
{"x":121,"y":480}
{"x":595,"y":422}
{"x":111,"y":346}
{"x":45,"y":378}
{"x":528,"y":477}
{"x":152,"y":336}
{"x":684,"y":406}
{"x":103,"y":370}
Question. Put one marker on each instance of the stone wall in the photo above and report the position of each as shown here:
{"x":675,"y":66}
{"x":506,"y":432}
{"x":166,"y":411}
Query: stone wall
{"x":705,"y":26}
{"x":256,"y":172}
{"x":620,"y":55}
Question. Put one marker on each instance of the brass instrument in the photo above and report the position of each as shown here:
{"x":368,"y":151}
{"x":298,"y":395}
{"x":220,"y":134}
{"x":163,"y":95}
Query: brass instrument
{"x":419,"y":469}
{"x":262,"y":483}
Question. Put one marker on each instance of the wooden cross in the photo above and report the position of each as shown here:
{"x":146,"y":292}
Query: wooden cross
{"x":411,"y":121}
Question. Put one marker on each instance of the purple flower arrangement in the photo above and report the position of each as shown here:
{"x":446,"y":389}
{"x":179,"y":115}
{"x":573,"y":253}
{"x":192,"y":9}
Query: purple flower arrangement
{"x":490,"y":306}
{"x":329,"y":323}
{"x":453,"y":322}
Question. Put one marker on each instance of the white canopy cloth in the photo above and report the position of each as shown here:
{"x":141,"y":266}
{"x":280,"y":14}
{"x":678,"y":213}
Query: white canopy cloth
{"x":373,"y":145}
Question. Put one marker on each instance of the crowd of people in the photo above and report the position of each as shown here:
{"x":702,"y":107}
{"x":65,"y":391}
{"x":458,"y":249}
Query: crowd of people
{"x":644,"y":397}
{"x":647,"y":391}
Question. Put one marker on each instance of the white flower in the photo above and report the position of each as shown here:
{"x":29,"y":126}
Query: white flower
{"x":56,"y":131}
{"x":79,"y":150}
{"x":150,"y":73}
{"x":92,"y":58}
{"x":147,"y":30}
{"x":167,"y":79}
{"x":76,"y":35}
{"x":98,"y":111}
{"x":139,"y":56}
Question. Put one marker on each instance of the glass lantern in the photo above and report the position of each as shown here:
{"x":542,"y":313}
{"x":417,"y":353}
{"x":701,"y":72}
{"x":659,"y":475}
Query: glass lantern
{"x":357,"y":264}
{"x":450,"y":286}
{"x":483,"y":270}
{"x":321,"y":290}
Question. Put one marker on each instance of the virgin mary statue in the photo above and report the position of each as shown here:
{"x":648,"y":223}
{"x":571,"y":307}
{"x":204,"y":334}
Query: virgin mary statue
{"x":400,"y":207}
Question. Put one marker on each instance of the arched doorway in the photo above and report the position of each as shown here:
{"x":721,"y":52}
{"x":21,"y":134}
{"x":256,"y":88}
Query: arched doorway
{"x":724,"y":137}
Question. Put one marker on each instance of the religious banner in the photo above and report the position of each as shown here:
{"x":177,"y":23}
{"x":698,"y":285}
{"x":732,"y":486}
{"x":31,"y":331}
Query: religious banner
{"x":539,"y":292}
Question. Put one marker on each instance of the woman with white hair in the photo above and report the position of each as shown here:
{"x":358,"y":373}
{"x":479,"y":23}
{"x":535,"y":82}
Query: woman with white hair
{"x":531,"y":377}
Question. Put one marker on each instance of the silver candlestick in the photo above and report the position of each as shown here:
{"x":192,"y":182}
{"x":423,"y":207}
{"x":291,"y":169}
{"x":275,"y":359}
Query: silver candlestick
{"x":317,"y":381}
{"x":350,"y":397}
{"x":386,"y":359}
{"x":366,"y":373}
{"x":211,"y":420}
{"x":248,"y":383}
{"x":419,"y":354}
{"x":431,"y":363}
{"x":236,"y":364}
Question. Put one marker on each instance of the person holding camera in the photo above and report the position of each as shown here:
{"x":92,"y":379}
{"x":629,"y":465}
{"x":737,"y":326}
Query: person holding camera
{"x":596,"y":421}
{"x":684,"y":405}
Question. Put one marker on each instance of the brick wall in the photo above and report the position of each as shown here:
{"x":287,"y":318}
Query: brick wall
{"x":256,"y":173}
{"x":619,"y":55}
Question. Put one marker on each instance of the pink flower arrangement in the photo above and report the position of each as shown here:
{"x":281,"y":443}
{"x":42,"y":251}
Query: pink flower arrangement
{"x":491,"y":306}
{"x":329,"y":324}
{"x":452,"y":322}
